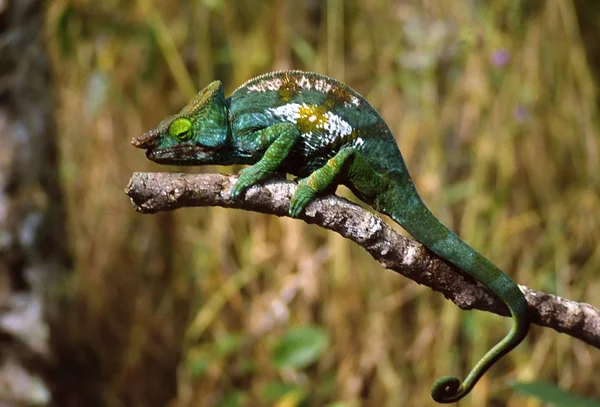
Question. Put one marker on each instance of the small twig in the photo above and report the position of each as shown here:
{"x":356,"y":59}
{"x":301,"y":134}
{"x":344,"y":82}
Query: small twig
{"x":154,"y":192}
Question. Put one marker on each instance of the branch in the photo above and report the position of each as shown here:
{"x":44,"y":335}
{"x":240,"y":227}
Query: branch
{"x":154,"y":192}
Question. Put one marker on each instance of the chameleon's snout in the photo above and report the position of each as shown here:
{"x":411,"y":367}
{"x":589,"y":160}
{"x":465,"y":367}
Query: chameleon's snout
{"x":145,"y":141}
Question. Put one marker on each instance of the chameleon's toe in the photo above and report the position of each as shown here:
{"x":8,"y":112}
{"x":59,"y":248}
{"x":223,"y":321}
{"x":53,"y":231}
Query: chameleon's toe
{"x":237,"y":190}
{"x":246,"y":178}
{"x":301,"y":198}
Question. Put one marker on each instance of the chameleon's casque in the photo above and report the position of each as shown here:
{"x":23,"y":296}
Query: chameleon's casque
{"x":326,"y":133}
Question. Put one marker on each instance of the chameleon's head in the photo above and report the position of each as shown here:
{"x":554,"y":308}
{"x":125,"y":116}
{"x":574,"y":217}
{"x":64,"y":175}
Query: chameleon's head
{"x":193,"y":136}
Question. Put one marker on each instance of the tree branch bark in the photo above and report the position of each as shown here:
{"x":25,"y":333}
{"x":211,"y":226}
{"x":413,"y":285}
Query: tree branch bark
{"x":154,"y":192}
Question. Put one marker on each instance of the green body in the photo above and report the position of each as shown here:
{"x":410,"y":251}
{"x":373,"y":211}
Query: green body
{"x":317,"y":128}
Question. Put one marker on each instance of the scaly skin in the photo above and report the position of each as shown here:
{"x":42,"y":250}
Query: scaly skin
{"x":317,"y":128}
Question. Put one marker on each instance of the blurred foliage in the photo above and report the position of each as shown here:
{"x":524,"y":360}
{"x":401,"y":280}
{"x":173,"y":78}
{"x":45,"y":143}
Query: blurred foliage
{"x":300,"y":347}
{"x":553,"y":395}
{"x":494,"y":107}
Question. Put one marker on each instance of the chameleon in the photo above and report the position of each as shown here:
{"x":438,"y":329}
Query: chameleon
{"x":325,"y":133}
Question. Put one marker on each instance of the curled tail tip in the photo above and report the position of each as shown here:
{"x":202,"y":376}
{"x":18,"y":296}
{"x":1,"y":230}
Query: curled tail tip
{"x":447,"y":389}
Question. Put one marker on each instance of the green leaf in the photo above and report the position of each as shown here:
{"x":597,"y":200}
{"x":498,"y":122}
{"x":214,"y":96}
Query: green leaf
{"x":300,"y":347}
{"x":549,"y":393}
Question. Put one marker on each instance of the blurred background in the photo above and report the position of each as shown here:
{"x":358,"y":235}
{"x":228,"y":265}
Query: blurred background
{"x":493,"y":104}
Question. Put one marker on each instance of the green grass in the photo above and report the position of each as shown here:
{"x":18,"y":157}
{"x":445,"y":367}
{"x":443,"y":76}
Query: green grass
{"x":494,"y":108}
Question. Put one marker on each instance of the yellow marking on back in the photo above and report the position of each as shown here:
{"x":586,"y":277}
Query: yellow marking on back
{"x":312,"y":118}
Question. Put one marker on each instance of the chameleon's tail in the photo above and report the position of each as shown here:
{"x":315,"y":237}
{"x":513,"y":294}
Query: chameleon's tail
{"x":416,"y":219}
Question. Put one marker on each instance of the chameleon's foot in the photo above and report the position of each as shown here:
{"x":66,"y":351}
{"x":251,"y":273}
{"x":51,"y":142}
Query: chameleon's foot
{"x":246,"y":178}
{"x":304,"y":195}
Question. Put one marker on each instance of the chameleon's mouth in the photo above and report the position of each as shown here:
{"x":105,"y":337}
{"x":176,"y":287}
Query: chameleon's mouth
{"x":179,"y":155}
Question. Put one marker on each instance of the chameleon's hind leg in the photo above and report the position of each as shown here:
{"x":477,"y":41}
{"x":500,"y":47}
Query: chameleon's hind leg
{"x":347,"y":166}
{"x":278,"y":141}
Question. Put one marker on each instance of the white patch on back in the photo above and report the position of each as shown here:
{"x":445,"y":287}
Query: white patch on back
{"x":290,"y":112}
{"x":304,"y":83}
{"x":333,"y":125}
{"x":336,"y":126}
{"x":266,"y":85}
{"x":306,"y":147}
{"x":357,"y":142}
{"x":322,"y":86}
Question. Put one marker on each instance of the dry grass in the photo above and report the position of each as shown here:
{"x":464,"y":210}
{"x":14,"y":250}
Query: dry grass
{"x":495,"y":111}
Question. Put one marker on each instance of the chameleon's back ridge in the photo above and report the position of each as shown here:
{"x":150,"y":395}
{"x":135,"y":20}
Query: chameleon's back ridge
{"x":318,"y":128}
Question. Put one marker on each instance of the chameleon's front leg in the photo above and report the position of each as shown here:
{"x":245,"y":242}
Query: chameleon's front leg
{"x":278,"y":140}
{"x":347,"y":163}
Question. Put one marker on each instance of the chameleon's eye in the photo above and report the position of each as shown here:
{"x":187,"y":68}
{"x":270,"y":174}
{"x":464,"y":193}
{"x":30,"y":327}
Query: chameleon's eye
{"x":181,"y":129}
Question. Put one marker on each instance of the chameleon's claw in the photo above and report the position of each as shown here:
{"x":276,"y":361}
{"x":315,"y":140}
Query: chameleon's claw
{"x":246,"y":178}
{"x":237,"y":189}
{"x":301,"y":198}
